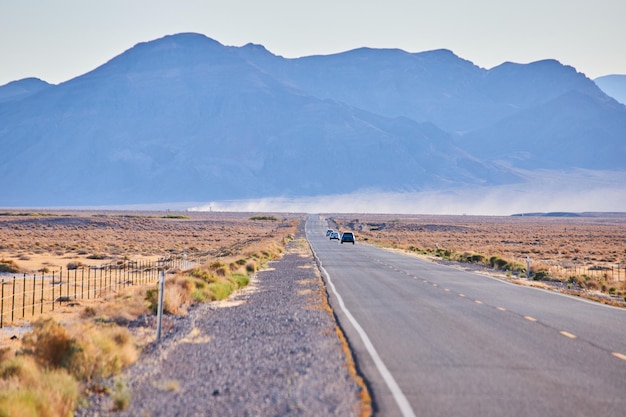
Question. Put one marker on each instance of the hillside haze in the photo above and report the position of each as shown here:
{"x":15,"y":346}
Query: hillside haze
{"x":613,"y":85}
{"x":185,"y":118}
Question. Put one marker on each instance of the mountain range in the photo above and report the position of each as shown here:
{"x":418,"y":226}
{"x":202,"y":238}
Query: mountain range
{"x":185,"y":118}
{"x":614,"y":85}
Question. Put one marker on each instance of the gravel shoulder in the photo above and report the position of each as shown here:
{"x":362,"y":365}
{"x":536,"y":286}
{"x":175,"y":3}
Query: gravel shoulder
{"x":271,"y":350}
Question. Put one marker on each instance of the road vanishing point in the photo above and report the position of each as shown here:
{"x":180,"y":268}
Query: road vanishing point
{"x":432,"y":340}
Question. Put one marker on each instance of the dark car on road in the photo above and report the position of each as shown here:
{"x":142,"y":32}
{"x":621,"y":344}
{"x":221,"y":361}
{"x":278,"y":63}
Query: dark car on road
{"x":347,"y":237}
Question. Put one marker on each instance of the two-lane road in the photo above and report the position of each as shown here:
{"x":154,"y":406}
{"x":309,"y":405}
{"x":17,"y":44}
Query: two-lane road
{"x":435,"y":341}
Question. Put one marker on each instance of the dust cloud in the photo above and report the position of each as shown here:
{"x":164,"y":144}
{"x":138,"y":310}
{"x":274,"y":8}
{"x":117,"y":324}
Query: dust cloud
{"x":548,"y":191}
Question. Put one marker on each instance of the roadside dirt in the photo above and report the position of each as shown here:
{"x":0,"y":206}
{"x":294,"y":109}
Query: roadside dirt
{"x":270,"y":350}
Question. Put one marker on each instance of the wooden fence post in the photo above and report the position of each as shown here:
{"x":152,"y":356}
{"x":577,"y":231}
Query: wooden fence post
{"x":24,"y":297}
{"x":53,"y":300}
{"x":42,"y":291}
{"x":34,"y":291}
{"x":2,"y":307}
{"x":13,"y":302}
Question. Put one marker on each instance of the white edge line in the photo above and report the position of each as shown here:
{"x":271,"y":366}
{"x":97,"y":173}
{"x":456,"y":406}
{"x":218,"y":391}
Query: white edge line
{"x":398,"y":395}
{"x":503,"y":281}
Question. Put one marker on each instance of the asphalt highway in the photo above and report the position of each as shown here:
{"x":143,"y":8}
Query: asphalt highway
{"x":432,"y":340}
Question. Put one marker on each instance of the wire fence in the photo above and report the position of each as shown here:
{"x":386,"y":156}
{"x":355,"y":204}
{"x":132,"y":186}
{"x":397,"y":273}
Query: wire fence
{"x":613,"y":274}
{"x":27,"y":295}
{"x":610,"y":272}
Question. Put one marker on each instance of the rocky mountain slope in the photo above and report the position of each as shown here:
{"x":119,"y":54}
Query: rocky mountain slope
{"x":185,"y":118}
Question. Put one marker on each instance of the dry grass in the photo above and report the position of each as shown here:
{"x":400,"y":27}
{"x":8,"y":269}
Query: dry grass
{"x":93,"y":343}
{"x":85,"y":350}
{"x":228,"y":248}
{"x":50,"y":241}
{"x":29,"y":390}
{"x":93,"y":238}
{"x":44,"y":379}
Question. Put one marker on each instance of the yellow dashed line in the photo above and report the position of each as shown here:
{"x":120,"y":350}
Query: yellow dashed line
{"x":435,"y":285}
{"x":446,"y":289}
{"x":619,"y":355}
{"x":478,"y":302}
{"x":530,"y":318}
{"x":501,"y":308}
{"x":568,"y":334}
{"x":461,"y":295}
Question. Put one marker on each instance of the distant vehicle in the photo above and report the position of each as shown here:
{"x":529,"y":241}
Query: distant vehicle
{"x":334,"y":235}
{"x":347,"y":237}
{"x":329,"y":231}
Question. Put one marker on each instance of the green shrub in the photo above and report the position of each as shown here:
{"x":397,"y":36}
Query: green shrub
{"x":219,"y":268}
{"x":241,"y":280}
{"x":221,"y":289}
{"x":199,"y":296}
{"x":74,"y":265}
{"x":475,"y":258}
{"x":269,"y":218}
{"x":152,"y":300}
{"x":202,"y":274}
{"x":497,"y":262}
{"x":176,"y":216}
{"x":9,"y":266}
{"x":251,"y":267}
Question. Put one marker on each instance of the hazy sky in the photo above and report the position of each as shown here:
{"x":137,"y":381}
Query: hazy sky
{"x":56,"y":40}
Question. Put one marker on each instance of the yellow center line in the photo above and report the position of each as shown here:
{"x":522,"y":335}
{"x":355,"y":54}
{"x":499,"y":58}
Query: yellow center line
{"x":530,"y":318}
{"x":478,"y":302}
{"x":435,"y":285}
{"x":619,"y":355}
{"x":446,"y":289}
{"x":461,"y":295}
{"x":568,"y":334}
{"x":501,"y":308}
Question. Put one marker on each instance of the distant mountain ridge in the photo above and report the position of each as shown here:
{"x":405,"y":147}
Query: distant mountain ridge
{"x":21,"y":89}
{"x":613,"y":85}
{"x":185,"y":118}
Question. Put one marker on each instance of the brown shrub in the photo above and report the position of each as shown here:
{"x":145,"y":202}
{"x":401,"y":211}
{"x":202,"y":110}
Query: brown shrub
{"x":86,"y":351}
{"x":50,"y":343}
